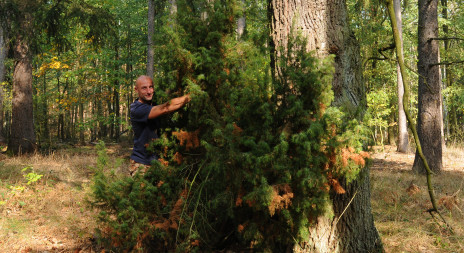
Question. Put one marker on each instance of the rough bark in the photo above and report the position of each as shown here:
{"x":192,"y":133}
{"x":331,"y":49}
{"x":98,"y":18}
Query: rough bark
{"x":324,"y":24}
{"x":403,"y":142}
{"x":150,"y":49}
{"x":22,"y":138}
{"x":429,"y":118}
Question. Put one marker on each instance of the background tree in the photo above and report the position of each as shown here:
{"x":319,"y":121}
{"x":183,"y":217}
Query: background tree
{"x":444,"y":70}
{"x":22,"y":138}
{"x":151,"y":27}
{"x":3,"y":56}
{"x":403,"y":141}
{"x":28,"y":21}
{"x":429,"y":118}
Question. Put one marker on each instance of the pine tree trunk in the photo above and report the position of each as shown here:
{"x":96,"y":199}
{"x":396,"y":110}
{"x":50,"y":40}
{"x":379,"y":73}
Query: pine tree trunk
{"x":22,"y":139}
{"x":403,"y":141}
{"x":324,"y":25}
{"x":429,"y":116}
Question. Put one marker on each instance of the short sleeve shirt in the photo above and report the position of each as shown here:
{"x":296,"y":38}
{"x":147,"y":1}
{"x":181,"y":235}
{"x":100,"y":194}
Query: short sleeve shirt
{"x":145,"y":131}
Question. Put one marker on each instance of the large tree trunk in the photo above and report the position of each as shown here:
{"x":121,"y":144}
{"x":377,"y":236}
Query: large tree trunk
{"x":324,"y":24}
{"x":403,"y":142}
{"x":22,"y":138}
{"x":429,"y":118}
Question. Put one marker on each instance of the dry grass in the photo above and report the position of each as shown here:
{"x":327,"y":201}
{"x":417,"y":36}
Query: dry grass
{"x":49,"y":215}
{"x":400,"y":202}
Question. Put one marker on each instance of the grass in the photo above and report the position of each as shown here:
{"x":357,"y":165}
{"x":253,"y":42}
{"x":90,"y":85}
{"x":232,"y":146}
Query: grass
{"x":400,"y":202}
{"x":51,"y":214}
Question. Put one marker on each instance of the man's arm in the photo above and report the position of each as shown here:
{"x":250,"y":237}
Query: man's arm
{"x":168,"y":107}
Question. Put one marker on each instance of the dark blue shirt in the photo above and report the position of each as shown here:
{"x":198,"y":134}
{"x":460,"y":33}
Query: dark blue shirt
{"x":145,"y":130}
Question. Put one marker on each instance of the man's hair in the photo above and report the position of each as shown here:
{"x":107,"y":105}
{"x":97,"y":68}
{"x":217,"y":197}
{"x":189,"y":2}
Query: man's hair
{"x":142,"y":77}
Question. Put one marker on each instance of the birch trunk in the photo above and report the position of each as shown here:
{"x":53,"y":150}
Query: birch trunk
{"x":403,"y":141}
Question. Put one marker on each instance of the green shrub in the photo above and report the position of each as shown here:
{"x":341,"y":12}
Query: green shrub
{"x":250,"y":162}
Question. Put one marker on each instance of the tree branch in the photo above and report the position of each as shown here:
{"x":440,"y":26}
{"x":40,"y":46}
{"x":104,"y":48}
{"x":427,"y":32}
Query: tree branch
{"x":406,"y":87}
{"x":445,"y":38}
{"x":446,"y":63}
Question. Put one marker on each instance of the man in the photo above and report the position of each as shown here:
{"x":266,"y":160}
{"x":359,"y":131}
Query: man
{"x":145,"y":124}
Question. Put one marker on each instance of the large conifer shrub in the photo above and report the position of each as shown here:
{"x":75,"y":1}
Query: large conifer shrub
{"x":250,"y":162}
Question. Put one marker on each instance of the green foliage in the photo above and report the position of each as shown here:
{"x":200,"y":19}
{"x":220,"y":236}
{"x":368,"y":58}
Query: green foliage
{"x":250,"y":162}
{"x":454,"y":99}
{"x":31,"y":177}
{"x":378,"y":111}
{"x":370,"y":23}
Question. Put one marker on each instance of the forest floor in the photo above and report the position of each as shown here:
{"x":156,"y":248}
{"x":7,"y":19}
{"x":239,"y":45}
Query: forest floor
{"x":43,"y":201}
{"x":400,"y":201}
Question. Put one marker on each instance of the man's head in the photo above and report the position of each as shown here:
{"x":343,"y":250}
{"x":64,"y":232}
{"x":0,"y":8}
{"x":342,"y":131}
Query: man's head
{"x":144,"y":88}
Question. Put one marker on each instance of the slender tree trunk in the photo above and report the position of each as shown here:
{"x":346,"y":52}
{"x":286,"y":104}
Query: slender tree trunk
{"x":93,"y":129}
{"x":403,"y":141}
{"x":115,"y":105}
{"x":391,"y":128}
{"x":429,"y":118}
{"x":129,"y":81}
{"x":117,"y":115}
{"x":109,"y":114}
{"x":68,"y":116}
{"x":60,"y":109}
{"x":172,"y":7}
{"x":80,"y":85}
{"x":455,"y":123}
{"x":324,"y":25}
{"x":71,"y":123}
{"x":3,"y":54}
{"x":44,"y":105}
{"x":241,"y":24}
{"x":81,"y":122}
{"x":151,"y":28}
{"x":445,"y":71}
{"x":22,"y":139}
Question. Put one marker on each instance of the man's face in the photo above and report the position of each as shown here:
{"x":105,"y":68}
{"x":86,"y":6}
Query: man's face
{"x":144,"y":88}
